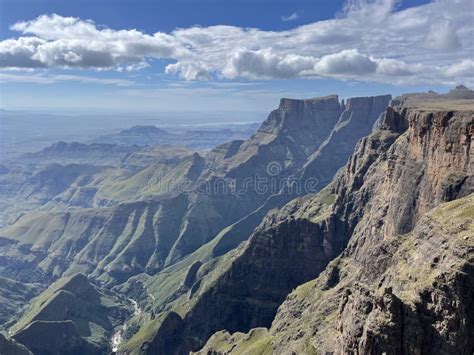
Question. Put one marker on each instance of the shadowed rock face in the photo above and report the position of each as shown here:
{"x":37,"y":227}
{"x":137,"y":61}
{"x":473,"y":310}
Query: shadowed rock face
{"x":386,"y":293}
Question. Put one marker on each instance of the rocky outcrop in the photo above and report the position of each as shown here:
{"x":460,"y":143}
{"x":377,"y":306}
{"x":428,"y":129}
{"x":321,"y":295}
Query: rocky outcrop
{"x":420,"y":158}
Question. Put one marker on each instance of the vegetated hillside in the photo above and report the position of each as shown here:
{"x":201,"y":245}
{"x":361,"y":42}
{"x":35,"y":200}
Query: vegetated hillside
{"x":67,"y":175}
{"x":160,"y":236}
{"x":14,"y":296}
{"x":404,"y":283}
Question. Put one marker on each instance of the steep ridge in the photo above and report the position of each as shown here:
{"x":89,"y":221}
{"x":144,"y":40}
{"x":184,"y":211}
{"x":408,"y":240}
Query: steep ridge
{"x":355,"y":122}
{"x":420,"y":156}
{"x":118,"y":241}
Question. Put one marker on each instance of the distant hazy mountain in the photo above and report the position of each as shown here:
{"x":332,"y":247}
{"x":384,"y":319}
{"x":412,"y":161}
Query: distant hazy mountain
{"x":194,"y":139}
{"x":25,"y":131}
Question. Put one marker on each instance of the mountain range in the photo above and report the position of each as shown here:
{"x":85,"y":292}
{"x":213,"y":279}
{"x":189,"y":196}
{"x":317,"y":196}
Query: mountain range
{"x":338,"y":227}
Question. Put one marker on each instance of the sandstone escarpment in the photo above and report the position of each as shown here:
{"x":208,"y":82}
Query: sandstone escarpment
{"x":419,"y":158}
{"x":382,"y":200}
{"x":428,"y":164}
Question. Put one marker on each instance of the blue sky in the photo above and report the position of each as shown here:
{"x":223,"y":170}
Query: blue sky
{"x":226,"y":55}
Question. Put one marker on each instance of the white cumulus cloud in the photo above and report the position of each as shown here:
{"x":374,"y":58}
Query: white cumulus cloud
{"x":463,"y":68}
{"x":349,"y":62}
{"x":265,"y":64}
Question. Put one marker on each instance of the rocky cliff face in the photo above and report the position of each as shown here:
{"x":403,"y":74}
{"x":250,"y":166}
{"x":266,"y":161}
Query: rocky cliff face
{"x":420,"y":158}
{"x":414,"y":296}
{"x":358,"y":115}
